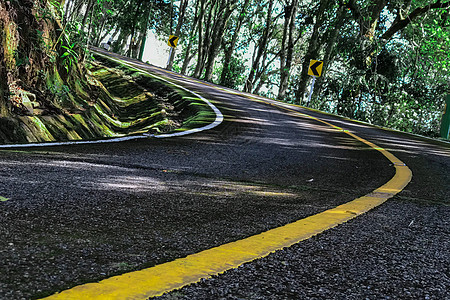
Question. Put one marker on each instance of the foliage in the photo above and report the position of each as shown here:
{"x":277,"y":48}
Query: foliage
{"x":386,"y":62}
{"x":406,"y":78}
{"x":70,"y":56}
{"x":235,"y":77}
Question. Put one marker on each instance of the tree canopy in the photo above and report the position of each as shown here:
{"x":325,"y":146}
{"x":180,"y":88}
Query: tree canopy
{"x":385,"y":62}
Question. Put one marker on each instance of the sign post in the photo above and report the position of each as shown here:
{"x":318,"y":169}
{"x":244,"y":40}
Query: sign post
{"x":172,"y":42}
{"x":312,"y":89}
{"x":314,"y":70}
{"x":445,"y":123}
{"x":170,"y":55}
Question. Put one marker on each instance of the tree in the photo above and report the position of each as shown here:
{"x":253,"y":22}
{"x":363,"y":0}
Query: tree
{"x":362,"y":42}
{"x":261,"y":49}
{"x":221,"y":20}
{"x":182,"y":12}
{"x":287,"y":46}
{"x":201,"y":51}
{"x":229,"y":46}
{"x":33,"y":51}
{"x":314,"y":46}
{"x":368,"y":16}
{"x":191,"y":38}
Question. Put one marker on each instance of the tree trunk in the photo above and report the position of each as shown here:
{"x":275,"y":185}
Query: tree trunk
{"x":142,"y":42}
{"x":99,"y":31}
{"x":133,"y":40}
{"x":145,"y":30}
{"x":313,"y":50}
{"x":69,"y":6}
{"x":287,"y":42}
{"x":230,"y":49}
{"x":89,"y":7}
{"x":368,"y":21}
{"x":261,"y":75}
{"x":204,"y":38}
{"x":262,"y":48}
{"x":329,"y":51}
{"x":188,"y":56}
{"x":218,"y":32}
{"x":24,"y":61}
{"x":121,"y":42}
{"x":135,"y":52}
{"x":263,"y":80}
{"x":76,"y":11}
{"x":199,"y":66}
{"x":183,"y":5}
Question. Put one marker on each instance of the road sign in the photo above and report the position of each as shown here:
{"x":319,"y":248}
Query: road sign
{"x":173,"y":41}
{"x":315,"y":68}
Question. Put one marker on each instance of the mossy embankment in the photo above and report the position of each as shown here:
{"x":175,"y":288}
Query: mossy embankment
{"x":113,"y":100}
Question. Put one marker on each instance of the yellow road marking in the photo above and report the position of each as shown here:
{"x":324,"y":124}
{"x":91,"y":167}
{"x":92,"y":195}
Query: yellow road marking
{"x":162,"y":278}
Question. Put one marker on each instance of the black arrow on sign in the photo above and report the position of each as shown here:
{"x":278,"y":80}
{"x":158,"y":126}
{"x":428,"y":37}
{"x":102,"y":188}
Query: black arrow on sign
{"x":315,"y":66}
{"x":173,"y":40}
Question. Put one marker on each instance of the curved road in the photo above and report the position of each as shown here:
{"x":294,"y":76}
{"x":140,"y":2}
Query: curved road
{"x":77,"y":214}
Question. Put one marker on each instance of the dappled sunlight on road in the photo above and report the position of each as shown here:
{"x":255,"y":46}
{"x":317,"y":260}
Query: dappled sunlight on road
{"x":416,"y":147}
{"x":78,"y":165}
{"x":203,"y":187}
{"x":134,"y":183}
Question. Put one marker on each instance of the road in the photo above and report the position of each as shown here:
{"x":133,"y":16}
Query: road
{"x":82,"y":213}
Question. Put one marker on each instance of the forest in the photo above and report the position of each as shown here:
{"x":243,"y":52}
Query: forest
{"x":385,"y":62}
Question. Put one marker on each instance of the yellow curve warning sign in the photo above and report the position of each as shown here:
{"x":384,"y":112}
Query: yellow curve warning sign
{"x":315,"y":68}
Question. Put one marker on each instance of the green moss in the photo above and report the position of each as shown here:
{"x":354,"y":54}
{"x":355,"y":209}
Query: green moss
{"x":40,"y":129}
{"x":81,"y":120}
{"x":121,"y":106}
{"x":80,"y":91}
{"x":11,"y":45}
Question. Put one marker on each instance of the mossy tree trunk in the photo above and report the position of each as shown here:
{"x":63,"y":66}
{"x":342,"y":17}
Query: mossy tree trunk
{"x":24,"y":59}
{"x":30,"y":56}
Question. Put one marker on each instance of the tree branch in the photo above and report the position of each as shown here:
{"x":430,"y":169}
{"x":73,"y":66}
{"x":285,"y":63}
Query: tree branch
{"x":354,"y":8}
{"x":399,"y":23}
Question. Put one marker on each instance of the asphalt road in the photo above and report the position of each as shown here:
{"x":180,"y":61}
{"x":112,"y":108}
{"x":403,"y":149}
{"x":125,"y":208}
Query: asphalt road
{"x":82,"y":213}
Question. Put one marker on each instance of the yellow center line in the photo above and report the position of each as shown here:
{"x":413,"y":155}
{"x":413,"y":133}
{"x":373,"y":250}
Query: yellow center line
{"x":162,"y":278}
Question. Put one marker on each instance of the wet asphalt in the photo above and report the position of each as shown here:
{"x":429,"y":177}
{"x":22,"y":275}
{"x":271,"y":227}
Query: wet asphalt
{"x":79,"y":214}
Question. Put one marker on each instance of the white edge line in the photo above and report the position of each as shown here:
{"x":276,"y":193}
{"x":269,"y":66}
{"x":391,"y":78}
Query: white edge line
{"x":51,"y":144}
{"x":219,"y":119}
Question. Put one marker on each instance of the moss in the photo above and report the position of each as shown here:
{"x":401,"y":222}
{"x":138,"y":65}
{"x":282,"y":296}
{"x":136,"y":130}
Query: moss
{"x":39,"y":129}
{"x":102,"y":128}
{"x":55,"y":127}
{"x":125,"y":107}
{"x":80,"y":120}
{"x":11,"y":44}
{"x":80,"y":90}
